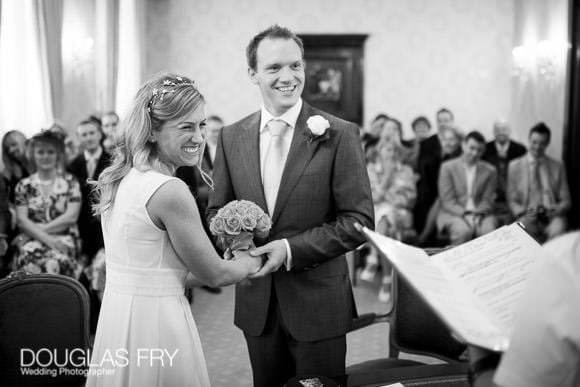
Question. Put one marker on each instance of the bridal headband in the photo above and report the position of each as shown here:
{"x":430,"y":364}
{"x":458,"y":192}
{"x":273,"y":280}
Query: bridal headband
{"x":169,"y":87}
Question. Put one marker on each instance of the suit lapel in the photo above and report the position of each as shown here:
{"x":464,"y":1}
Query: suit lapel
{"x":299,"y":155}
{"x":249,"y":151}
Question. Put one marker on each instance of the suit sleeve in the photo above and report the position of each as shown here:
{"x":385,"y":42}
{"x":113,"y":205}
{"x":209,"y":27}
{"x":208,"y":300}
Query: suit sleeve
{"x":351,"y":195}
{"x":222,"y":191}
{"x":447,"y":192}
{"x":564,"y":202}
{"x":488,"y":197}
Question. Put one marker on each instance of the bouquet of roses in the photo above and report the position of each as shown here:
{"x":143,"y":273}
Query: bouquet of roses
{"x":237,"y":223}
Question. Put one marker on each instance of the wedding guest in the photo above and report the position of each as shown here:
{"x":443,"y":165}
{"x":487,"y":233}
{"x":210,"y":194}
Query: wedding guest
{"x":5,"y":227}
{"x":16,"y":164}
{"x":47,"y":206}
{"x":110,"y":120}
{"x":393,"y":187}
{"x":428,"y":163}
{"x":499,"y":153}
{"x":154,"y":237}
{"x":451,"y":139}
{"x":544,"y":347}
{"x":370,"y":138}
{"x":88,"y":165}
{"x":314,"y":183}
{"x":421,"y":127}
{"x":537,"y":188}
{"x":467,"y":191}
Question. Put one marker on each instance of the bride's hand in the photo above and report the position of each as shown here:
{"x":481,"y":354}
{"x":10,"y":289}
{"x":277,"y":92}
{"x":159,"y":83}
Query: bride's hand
{"x":254,"y":263}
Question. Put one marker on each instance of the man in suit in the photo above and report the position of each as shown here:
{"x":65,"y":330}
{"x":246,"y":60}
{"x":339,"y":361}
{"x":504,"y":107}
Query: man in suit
{"x":467,"y":191}
{"x":537,"y":188}
{"x":89,"y":164}
{"x":499,"y":153}
{"x":429,"y":160}
{"x":305,"y":168}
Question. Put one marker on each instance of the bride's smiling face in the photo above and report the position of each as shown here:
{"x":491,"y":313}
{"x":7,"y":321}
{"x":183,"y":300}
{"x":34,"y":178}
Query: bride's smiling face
{"x":180,"y":142}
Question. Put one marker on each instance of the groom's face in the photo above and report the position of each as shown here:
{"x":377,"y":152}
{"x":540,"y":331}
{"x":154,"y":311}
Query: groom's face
{"x":279,"y":73}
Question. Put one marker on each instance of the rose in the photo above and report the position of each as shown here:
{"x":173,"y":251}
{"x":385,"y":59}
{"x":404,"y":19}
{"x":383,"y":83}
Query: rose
{"x":317,"y":125}
{"x":263,"y":226}
{"x":249,"y":222}
{"x":217,"y":225}
{"x":233,"y":225}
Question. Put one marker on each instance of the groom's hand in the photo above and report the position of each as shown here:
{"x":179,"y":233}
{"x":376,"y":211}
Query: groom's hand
{"x":275,"y":253}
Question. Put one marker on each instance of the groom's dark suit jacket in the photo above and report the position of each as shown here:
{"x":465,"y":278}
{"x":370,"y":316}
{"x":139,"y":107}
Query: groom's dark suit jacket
{"x":324,"y":190}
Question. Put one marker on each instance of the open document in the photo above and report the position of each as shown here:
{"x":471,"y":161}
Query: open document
{"x":472,"y":287}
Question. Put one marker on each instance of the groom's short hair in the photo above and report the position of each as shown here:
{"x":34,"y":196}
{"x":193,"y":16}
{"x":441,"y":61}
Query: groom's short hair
{"x":271,"y":32}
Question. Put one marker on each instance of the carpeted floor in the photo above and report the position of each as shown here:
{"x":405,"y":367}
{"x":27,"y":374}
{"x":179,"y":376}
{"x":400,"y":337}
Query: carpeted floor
{"x":225,"y":348}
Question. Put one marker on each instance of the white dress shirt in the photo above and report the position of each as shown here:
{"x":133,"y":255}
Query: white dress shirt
{"x":290,"y":117}
{"x":470,"y":173}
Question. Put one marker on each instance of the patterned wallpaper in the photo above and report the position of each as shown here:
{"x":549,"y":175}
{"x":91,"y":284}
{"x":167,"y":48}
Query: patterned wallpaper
{"x":420,"y":54}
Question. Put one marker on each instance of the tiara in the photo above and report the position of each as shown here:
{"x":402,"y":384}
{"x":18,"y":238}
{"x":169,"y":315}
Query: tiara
{"x":169,"y":87}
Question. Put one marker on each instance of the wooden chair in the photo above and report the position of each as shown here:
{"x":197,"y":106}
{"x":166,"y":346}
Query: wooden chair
{"x":43,"y":315}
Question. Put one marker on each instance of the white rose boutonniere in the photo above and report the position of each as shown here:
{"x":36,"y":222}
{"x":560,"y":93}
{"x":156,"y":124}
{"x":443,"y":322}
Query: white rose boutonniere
{"x":317,"y":126}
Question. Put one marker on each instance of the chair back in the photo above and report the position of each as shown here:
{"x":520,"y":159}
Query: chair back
{"x":415,"y":328}
{"x":44,"y":326}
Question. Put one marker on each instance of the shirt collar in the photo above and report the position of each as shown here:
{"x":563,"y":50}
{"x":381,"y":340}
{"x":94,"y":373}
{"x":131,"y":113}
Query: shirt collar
{"x":290,"y":116}
{"x":95,"y":156}
{"x":533,"y":160}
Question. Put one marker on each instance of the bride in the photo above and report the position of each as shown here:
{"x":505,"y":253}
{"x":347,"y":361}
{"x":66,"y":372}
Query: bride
{"x":146,"y":335}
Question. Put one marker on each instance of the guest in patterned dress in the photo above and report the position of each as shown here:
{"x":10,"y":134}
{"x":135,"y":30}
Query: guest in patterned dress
{"x":47,"y":207}
{"x":393,"y":186}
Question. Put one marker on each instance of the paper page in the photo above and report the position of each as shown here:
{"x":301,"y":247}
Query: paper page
{"x":494,"y":267}
{"x":447,"y":296}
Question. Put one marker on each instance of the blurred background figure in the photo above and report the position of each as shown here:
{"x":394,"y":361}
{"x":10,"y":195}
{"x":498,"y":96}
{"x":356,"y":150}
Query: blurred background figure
{"x":449,"y":139}
{"x":537,"y":188}
{"x":394,"y":193}
{"x":88,"y":165}
{"x":466,"y":192}
{"x":421,"y":127}
{"x":499,"y":153}
{"x":371,"y":136}
{"x":110,"y":120}
{"x":71,"y":147}
{"x":16,"y":165}
{"x":47,"y":207}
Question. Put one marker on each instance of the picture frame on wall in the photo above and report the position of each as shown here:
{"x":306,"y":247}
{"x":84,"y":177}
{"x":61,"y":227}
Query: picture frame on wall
{"x":334,"y":74}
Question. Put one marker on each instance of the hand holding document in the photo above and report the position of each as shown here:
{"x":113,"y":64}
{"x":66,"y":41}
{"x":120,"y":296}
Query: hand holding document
{"x":472,"y":287}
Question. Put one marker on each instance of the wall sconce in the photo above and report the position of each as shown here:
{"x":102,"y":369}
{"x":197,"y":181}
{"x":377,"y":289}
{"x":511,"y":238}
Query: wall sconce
{"x":545,"y":58}
{"x":541,"y":58}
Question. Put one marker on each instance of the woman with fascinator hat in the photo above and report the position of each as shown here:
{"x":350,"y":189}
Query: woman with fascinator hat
{"x":146,"y":334}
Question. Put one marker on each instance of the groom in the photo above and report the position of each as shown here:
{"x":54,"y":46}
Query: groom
{"x":306,"y":168}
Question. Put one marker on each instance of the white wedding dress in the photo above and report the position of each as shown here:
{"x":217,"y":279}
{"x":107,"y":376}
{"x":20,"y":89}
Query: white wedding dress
{"x":146,"y":335}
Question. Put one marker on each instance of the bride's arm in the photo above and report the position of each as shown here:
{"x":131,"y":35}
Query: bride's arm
{"x":173,"y":208}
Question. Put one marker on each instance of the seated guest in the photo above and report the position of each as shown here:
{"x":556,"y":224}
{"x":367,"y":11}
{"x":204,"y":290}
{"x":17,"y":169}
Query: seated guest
{"x":394,"y":193}
{"x":428,"y":164}
{"x":370,"y":138}
{"x":88,"y":165}
{"x":47,"y":208}
{"x":499,"y":153}
{"x":467,"y":191}
{"x":71,"y":148}
{"x":5,"y":227}
{"x":110,"y":120}
{"x":537,"y":188}
{"x":421,"y":127}
{"x":16,"y":165}
{"x":545,"y":344}
{"x":451,"y":139}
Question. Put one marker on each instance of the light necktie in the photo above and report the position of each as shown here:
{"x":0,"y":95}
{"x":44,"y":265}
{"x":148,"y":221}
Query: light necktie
{"x":91,"y":166}
{"x":536,"y":189}
{"x":274,"y":162}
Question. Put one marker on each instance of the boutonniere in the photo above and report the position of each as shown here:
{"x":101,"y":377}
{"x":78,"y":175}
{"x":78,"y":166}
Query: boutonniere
{"x":317,"y":128}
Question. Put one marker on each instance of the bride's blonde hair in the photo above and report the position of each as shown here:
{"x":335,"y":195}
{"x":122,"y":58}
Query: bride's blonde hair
{"x":165,"y":97}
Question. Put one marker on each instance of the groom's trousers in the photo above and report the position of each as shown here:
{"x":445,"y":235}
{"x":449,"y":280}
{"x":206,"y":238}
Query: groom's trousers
{"x":276,"y":356}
